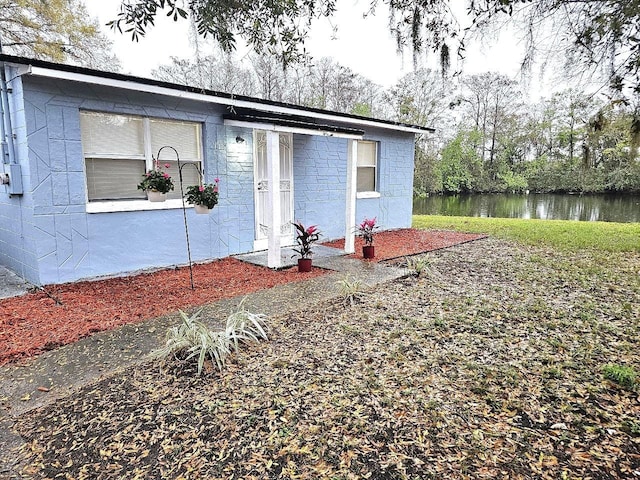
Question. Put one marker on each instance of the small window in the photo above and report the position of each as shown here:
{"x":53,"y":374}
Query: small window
{"x":367,"y":166}
{"x":119,"y":149}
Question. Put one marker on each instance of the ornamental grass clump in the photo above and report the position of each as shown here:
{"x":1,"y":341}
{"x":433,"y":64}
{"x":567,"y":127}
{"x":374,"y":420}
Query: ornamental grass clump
{"x":194,"y":340}
{"x":205,"y":195}
{"x":156,"y":180}
{"x":351,"y":290}
{"x":244,"y":326}
{"x":418,"y":265}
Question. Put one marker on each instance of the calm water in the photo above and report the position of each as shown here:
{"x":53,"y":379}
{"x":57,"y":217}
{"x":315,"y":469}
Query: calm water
{"x":603,"y":208}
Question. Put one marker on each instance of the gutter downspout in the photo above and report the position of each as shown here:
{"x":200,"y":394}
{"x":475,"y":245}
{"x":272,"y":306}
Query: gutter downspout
{"x":12,"y":181}
{"x":6,"y":131}
{"x":12,"y":178}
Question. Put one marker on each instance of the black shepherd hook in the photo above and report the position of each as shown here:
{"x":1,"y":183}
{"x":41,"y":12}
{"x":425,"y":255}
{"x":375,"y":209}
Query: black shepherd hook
{"x":184,"y":208}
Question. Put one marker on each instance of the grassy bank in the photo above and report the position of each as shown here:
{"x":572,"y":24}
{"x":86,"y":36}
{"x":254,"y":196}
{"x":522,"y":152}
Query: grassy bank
{"x":561,"y":234}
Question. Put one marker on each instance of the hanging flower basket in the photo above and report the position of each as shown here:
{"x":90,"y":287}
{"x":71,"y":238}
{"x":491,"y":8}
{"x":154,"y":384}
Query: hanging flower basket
{"x":201,"y":209}
{"x":203,"y":197}
{"x":156,"y":183}
{"x":156,"y":196}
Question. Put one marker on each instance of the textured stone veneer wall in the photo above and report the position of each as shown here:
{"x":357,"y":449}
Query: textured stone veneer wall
{"x":395,"y":179}
{"x":319,"y":177}
{"x":17,"y":236}
{"x":320,"y":169}
{"x":71,"y":244}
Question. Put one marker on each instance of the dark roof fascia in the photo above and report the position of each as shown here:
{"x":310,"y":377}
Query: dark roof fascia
{"x":186,"y":88}
{"x":284,"y":122}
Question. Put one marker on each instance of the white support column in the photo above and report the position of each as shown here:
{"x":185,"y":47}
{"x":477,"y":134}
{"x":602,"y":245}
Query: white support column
{"x":273,"y":199}
{"x":350,"y":217}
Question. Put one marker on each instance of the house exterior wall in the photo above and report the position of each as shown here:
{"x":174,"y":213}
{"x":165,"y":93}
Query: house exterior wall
{"x":48,"y":237}
{"x":17,"y":233}
{"x":68,"y":243}
{"x":393,"y":209}
{"x":320,"y":172}
{"x":319,"y":178}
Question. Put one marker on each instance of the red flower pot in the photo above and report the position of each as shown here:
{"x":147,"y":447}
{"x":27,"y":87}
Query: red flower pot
{"x":304,"y":265}
{"x":368,"y":251}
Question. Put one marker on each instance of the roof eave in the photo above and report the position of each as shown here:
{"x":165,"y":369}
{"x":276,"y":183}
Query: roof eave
{"x":79,"y":74}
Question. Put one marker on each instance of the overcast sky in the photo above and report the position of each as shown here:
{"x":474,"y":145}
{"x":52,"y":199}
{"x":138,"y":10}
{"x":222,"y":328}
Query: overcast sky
{"x":364,"y":45}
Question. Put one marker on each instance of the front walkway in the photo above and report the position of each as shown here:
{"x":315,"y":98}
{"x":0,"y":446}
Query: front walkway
{"x":289,"y":258}
{"x":11,"y":285}
{"x":41,"y":380}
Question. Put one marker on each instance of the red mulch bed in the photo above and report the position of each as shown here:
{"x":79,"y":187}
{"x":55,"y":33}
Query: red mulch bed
{"x":34,"y":323}
{"x":398,"y":243}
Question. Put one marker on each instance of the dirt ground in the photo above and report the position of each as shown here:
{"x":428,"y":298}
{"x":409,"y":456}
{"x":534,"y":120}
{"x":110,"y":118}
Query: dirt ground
{"x":61,"y":314}
{"x":489,"y":365}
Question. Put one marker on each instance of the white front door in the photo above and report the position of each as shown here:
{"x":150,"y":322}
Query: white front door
{"x":261,"y":189}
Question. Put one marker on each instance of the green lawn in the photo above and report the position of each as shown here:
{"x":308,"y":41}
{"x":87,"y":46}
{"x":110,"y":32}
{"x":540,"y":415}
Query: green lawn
{"x":562,"y":234}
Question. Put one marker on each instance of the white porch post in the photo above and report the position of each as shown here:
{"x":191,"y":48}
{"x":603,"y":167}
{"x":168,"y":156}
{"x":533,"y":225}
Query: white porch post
{"x":350,"y":217}
{"x":273,"y":199}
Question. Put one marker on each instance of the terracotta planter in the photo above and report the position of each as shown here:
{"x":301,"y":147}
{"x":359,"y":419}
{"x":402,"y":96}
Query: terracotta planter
{"x":155,"y":196}
{"x":201,"y":209}
{"x":304,"y":265}
{"x":368,"y":251}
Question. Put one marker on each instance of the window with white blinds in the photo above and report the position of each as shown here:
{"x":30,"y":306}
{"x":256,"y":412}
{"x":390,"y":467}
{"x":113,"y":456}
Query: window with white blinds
{"x":190,"y":175}
{"x":112,"y":135}
{"x":110,"y":178}
{"x":119,"y":149}
{"x":367,"y":166}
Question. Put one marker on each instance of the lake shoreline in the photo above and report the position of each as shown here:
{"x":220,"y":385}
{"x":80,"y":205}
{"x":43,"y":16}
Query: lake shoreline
{"x":607,"y":207}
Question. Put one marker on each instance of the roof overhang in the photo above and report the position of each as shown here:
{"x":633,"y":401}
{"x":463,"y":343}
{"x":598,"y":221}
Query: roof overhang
{"x":44,"y":69}
{"x":290,"y":124}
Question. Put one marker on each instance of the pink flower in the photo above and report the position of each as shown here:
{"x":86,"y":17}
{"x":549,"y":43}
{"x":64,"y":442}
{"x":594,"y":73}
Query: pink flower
{"x":166,"y":165}
{"x":312,"y":229}
{"x":165,"y":175}
{"x":201,"y":188}
{"x":217,"y":180}
{"x":215,"y":188}
{"x":368,"y":223}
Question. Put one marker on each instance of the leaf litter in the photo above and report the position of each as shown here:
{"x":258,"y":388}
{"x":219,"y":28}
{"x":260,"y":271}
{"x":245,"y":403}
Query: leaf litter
{"x":61,"y":314}
{"x":489,"y":366}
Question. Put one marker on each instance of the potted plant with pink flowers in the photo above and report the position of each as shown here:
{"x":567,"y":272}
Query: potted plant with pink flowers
{"x":203,"y":197}
{"x":305,"y":238}
{"x":157,"y":183}
{"x":366,"y":230}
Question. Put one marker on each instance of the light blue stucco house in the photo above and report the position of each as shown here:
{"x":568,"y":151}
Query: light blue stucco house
{"x":77,"y":141}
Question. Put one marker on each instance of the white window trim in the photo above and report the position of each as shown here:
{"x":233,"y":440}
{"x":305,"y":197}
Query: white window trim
{"x":372,"y":193}
{"x":134,"y":205}
{"x":139,"y":205}
{"x":368,"y":195}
